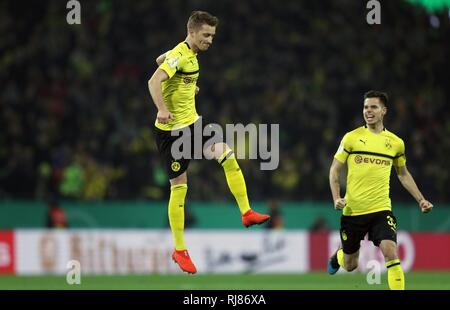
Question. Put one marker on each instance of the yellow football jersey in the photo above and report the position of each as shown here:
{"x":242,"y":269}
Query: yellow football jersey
{"x":369,"y":159}
{"x":181,"y":66}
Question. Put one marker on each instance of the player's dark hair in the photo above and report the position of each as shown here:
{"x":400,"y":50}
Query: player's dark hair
{"x":383,"y":97}
{"x":199,"y":18}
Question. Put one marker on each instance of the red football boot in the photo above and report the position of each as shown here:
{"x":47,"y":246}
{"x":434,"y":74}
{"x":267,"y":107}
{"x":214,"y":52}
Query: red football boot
{"x":184,"y":261}
{"x":251,"y":217}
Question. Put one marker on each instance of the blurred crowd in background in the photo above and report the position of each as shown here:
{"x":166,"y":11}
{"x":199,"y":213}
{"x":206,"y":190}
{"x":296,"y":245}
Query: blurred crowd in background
{"x":76,"y":115}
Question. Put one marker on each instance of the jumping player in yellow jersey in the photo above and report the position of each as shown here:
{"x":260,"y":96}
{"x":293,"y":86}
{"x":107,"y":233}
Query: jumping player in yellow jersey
{"x":370,"y":152}
{"x":173,"y":87}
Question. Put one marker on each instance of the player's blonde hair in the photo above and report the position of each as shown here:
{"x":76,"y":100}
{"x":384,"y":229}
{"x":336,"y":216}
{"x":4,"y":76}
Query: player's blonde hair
{"x":199,"y":18}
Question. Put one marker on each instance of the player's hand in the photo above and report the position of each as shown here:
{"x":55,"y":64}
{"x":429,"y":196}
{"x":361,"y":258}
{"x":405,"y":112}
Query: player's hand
{"x":163,"y":117}
{"x":425,"y":206}
{"x":340,"y":203}
{"x":197,"y":89}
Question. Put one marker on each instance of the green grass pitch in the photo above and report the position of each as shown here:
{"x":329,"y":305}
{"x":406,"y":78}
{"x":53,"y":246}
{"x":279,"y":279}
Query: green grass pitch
{"x":309,"y":281}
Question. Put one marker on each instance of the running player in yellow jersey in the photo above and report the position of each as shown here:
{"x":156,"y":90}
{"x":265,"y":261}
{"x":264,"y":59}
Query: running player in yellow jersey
{"x":173,"y":87}
{"x":370,"y":152}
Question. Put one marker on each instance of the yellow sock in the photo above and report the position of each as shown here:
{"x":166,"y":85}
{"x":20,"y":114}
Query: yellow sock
{"x":176,"y":214}
{"x":396,"y":278}
{"x":340,"y":257}
{"x":235,"y":179}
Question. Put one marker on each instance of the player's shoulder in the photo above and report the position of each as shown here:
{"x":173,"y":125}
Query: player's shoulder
{"x":392,"y":136}
{"x":180,"y":49}
{"x":355,"y":132}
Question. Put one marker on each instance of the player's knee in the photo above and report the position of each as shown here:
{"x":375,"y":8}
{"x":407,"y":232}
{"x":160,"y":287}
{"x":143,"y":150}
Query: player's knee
{"x":220,"y":148}
{"x":181,"y":179}
{"x":352,"y":267}
{"x":216,"y":150}
{"x":389,"y":249}
{"x":351,"y":264}
{"x":391,"y":254}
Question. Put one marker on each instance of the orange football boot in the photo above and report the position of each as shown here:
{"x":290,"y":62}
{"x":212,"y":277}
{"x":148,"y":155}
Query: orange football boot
{"x":184,"y":261}
{"x":251,"y":217}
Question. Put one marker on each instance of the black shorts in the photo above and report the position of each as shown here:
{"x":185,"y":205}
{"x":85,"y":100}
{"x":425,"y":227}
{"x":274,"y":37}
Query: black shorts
{"x":191,"y":136}
{"x":379,"y":225}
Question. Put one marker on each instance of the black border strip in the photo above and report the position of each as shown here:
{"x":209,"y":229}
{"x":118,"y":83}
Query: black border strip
{"x":374,"y":154}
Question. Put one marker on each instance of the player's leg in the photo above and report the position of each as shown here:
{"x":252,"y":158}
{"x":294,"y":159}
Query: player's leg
{"x":352,"y":232}
{"x":235,"y":179}
{"x":176,"y":170}
{"x":348,"y":262}
{"x":384,"y":235}
{"x":396,"y":277}
{"x":178,"y":190}
{"x":236,"y":182}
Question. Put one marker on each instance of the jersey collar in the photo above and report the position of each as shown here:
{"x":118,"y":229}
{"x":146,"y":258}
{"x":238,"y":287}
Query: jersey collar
{"x":190,"y":49}
{"x":384,"y":128}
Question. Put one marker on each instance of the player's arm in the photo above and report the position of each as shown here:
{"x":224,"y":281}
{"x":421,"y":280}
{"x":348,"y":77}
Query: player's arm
{"x":160,"y":59}
{"x":154,"y":86}
{"x":408,"y":182}
{"x":335,"y":173}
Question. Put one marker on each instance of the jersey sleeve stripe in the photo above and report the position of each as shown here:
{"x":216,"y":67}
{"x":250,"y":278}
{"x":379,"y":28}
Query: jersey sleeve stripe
{"x":187,"y":73}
